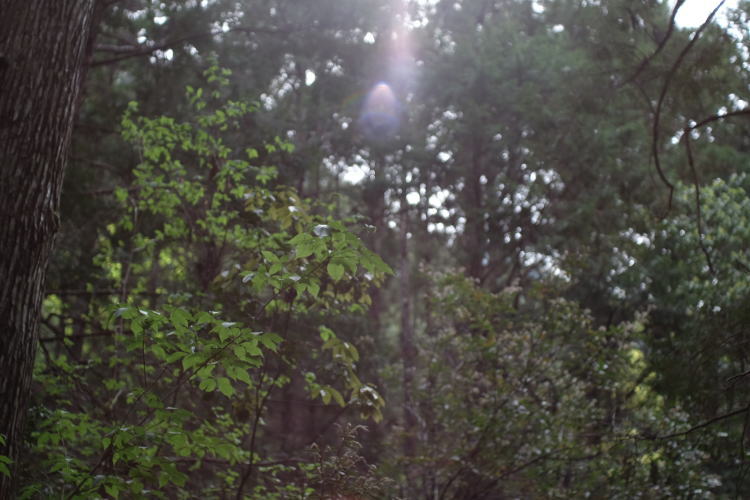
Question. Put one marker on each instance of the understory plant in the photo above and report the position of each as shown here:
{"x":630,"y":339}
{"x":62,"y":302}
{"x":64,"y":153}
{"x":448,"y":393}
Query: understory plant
{"x":218,"y":284}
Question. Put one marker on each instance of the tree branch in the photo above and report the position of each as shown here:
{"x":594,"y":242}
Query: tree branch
{"x":696,"y":185}
{"x":645,"y":62}
{"x":717,"y":117}
{"x":708,"y":422}
{"x":660,"y":104}
{"x":127,"y":52}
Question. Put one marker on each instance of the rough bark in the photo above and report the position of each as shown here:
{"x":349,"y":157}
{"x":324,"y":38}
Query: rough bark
{"x":42,"y":47}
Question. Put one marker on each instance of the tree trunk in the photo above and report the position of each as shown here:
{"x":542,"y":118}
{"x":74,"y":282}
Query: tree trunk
{"x":42,"y":46}
{"x":408,"y":349}
{"x":374,"y":198}
{"x":474,"y":203}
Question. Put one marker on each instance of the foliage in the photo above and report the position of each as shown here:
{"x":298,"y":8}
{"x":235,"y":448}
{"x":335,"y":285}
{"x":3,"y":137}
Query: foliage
{"x":556,"y":330}
{"x":4,"y":460}
{"x":342,"y":472}
{"x":181,"y":390}
{"x":523,"y":396}
{"x":698,"y":306}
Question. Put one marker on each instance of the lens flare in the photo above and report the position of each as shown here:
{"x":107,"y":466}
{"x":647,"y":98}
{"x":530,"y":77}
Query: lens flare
{"x":382,"y":108}
{"x":380,"y":113}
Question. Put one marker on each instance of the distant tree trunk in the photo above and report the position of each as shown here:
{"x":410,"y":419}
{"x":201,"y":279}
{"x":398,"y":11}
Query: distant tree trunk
{"x":374,"y":198}
{"x":474,"y":209}
{"x":408,"y":350}
{"x":42,"y":47}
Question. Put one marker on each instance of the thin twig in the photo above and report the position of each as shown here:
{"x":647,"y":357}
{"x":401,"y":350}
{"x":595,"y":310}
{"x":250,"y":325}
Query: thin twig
{"x":662,"y":43}
{"x":258,"y":413}
{"x":696,"y":185}
{"x":702,"y":425}
{"x":738,"y":376}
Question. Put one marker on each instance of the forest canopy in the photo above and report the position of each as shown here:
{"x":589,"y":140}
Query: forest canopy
{"x":465,"y":249}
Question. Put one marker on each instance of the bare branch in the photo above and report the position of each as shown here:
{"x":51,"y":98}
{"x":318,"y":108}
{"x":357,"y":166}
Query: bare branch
{"x":127,"y":52}
{"x":660,"y":104}
{"x":117,"y":49}
{"x":717,"y":117}
{"x":645,"y":62}
{"x":734,"y":378}
{"x":703,"y":425}
{"x":696,"y":185}
{"x":79,"y":336}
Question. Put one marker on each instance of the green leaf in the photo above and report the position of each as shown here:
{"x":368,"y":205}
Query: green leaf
{"x":4,"y":462}
{"x":175,"y":356}
{"x":326,"y":333}
{"x":158,"y":351}
{"x":240,"y":374}
{"x":127,"y":312}
{"x":269,"y":256}
{"x":205,"y":371}
{"x":224,"y":333}
{"x":225,"y":386}
{"x":325,"y":394}
{"x":335,"y":271}
{"x":270,"y":340}
{"x":204,"y":317}
{"x":207,"y":385}
{"x":190,"y":361}
{"x":239,"y":352}
{"x":224,"y":450}
{"x":174,"y":475}
{"x":179,"y":318}
{"x":275,"y":268}
{"x":304,"y":250}
{"x":121,"y":194}
{"x":299,"y":239}
{"x":136,"y":486}
{"x":337,"y":396}
{"x":136,"y":326}
{"x":252,"y":348}
{"x":112,"y":490}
